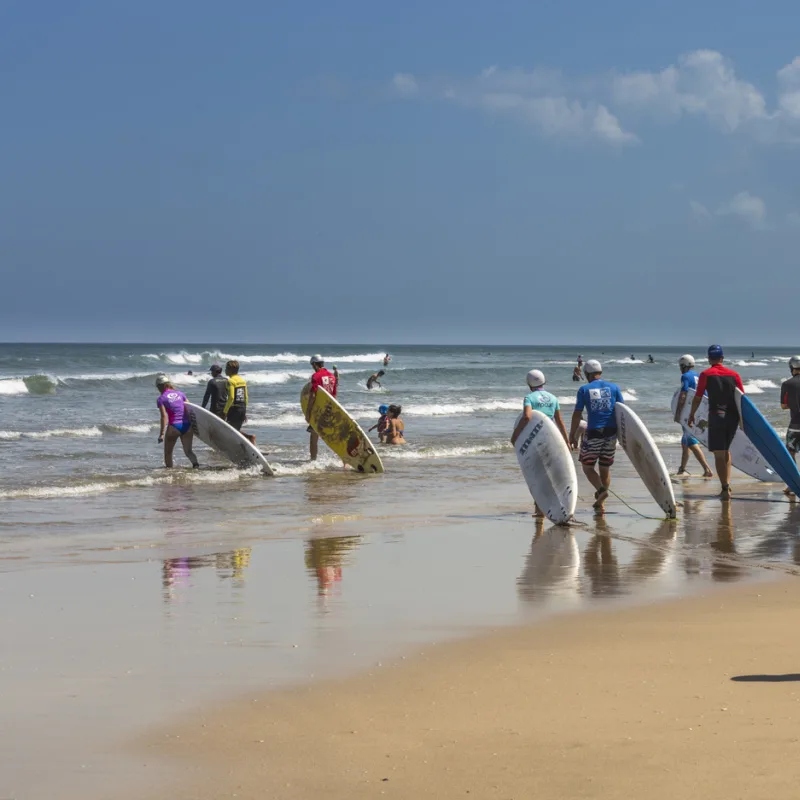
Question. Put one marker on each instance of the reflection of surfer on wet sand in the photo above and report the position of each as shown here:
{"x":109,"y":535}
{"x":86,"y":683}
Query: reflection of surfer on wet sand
{"x":552,"y":566}
{"x":324,"y":558}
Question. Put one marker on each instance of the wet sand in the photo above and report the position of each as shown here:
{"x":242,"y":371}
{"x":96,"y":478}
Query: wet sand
{"x":695,"y":698}
{"x":107,"y":639}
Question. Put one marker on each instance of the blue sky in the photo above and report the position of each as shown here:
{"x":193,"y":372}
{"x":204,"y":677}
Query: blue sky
{"x":508,"y":172}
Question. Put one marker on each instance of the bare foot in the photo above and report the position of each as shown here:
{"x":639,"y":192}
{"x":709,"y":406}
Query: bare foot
{"x":708,"y":474}
{"x":725,"y":494}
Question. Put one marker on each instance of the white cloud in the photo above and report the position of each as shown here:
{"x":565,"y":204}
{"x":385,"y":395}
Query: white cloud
{"x":701,"y":83}
{"x":747,"y":207}
{"x":405,"y":84}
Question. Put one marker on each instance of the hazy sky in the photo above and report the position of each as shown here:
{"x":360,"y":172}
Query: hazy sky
{"x":400,"y":172}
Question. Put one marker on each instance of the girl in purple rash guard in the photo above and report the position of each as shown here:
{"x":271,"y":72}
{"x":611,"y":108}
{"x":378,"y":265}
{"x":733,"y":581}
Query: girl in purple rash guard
{"x":175,"y":421}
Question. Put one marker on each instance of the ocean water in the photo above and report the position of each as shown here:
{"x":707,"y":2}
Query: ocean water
{"x":79,"y":425}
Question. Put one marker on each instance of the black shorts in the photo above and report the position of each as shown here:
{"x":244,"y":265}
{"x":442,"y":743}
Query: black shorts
{"x":721,"y":431}
{"x":236,"y":417}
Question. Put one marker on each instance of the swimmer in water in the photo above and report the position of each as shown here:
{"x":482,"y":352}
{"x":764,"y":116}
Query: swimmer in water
{"x":374,"y":379}
{"x":395,"y":432}
{"x":382,"y":424}
{"x":175,"y":421}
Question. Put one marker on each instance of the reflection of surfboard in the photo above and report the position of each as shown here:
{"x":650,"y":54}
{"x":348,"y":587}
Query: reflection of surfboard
{"x":341,"y":432}
{"x":744,"y":454}
{"x":769,"y":444}
{"x":640,"y":448}
{"x":226,"y":440}
{"x":547,"y":466}
{"x":552,"y":565}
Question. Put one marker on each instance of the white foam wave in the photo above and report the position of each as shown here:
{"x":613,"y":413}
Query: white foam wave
{"x":10,"y":386}
{"x":184,"y":357}
{"x":180,"y":476}
{"x":49,"y":434}
{"x":281,"y":421}
{"x":566,"y":401}
{"x":407,"y":454}
{"x":751,"y":364}
{"x":758,"y":386}
{"x":108,"y":428}
{"x":629,"y":395}
{"x":445,"y":409}
{"x":667,"y":438}
{"x":625,"y":361}
{"x":325,"y":463}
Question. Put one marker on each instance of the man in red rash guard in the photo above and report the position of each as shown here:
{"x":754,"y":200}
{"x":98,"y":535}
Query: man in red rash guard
{"x":320,"y":379}
{"x":721,"y":384}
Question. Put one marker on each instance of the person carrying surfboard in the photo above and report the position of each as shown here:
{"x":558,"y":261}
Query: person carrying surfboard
{"x":688,"y":443}
{"x":539,"y":400}
{"x":721,"y":384}
{"x":320,"y":379}
{"x":790,"y":401}
{"x":175,"y":421}
{"x":599,"y":443}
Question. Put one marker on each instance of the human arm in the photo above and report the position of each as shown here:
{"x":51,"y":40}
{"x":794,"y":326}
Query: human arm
{"x":784,"y":398}
{"x":164,"y":422}
{"x":577,"y":416}
{"x":560,"y":425}
{"x":739,"y":383}
{"x":207,"y":395}
{"x":698,"y":398}
{"x":229,"y":400}
{"x":527,"y":413}
{"x":680,"y":404}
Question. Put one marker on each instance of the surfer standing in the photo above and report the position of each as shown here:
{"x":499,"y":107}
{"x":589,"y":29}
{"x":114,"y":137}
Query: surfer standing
{"x":790,"y":401}
{"x":721,"y":384}
{"x":539,"y":400}
{"x":320,"y":379}
{"x":235,"y":408}
{"x":175,"y":421}
{"x":216,"y":392}
{"x":689,"y":443}
{"x":599,"y":443}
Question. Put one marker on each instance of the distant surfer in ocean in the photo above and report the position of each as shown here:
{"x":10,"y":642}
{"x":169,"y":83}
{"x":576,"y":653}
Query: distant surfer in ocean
{"x":688,"y":443}
{"x":723,"y":413}
{"x":386,"y":359}
{"x":216,"y":392}
{"x":790,"y":401}
{"x":599,"y":443}
{"x":320,"y":379}
{"x":651,"y":360}
{"x":374,"y":379}
{"x":175,"y":421}
{"x":576,"y":374}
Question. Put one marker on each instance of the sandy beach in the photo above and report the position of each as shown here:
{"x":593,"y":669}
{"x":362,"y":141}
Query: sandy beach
{"x":691,"y":698}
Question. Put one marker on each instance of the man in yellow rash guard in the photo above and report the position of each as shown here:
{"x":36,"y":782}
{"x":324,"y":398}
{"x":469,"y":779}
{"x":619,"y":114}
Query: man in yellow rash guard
{"x":236,"y":406}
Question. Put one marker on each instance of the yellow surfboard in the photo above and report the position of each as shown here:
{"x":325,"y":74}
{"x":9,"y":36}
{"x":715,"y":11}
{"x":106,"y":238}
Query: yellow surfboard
{"x":341,"y":432}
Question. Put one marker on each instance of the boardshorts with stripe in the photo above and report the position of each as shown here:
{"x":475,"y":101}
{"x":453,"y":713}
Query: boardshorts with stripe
{"x":598,"y":446}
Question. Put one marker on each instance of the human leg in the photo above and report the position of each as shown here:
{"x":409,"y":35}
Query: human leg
{"x":697,"y":452}
{"x":186,"y":442}
{"x":170,"y":437}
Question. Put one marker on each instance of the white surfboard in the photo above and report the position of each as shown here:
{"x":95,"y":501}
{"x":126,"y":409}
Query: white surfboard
{"x":547,"y":466}
{"x":744,"y":454}
{"x":640,"y":448}
{"x":226,"y":440}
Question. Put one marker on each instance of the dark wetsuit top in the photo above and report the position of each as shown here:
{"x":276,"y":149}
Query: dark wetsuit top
{"x":217,"y":393}
{"x":790,"y":396}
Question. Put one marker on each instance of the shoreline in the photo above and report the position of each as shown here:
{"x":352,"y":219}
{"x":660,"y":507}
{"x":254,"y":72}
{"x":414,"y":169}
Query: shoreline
{"x":633,"y":701}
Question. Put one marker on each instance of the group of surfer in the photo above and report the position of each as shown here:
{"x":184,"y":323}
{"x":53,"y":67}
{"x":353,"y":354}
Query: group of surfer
{"x":598,"y":397}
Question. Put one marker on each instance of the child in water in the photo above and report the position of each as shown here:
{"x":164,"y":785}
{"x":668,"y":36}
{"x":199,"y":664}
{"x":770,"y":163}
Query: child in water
{"x":382,"y":424}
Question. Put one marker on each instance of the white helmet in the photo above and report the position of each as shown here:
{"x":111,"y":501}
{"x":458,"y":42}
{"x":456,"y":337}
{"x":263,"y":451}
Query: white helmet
{"x":535,"y":378}
{"x":592,"y":367}
{"x":686,"y":361}
{"x":316,"y":359}
{"x":794,"y":362}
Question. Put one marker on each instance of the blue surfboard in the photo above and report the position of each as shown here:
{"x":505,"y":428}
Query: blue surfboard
{"x":767,"y":442}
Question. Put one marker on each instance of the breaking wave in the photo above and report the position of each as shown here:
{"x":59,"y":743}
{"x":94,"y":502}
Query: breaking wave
{"x":758,"y":386}
{"x":184,"y":358}
{"x":33,"y":384}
